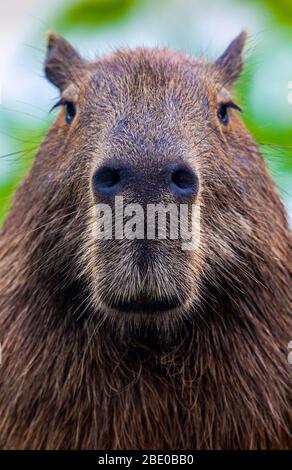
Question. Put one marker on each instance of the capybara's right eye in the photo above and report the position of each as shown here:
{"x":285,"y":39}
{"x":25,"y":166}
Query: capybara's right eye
{"x":70,"y":111}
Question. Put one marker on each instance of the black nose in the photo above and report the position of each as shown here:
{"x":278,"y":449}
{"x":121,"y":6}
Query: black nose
{"x":183,"y":181}
{"x":180,"y":179}
{"x":107,"y":181}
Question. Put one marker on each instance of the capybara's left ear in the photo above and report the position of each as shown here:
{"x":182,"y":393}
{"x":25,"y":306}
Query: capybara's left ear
{"x":63,"y":64}
{"x":230,"y":63}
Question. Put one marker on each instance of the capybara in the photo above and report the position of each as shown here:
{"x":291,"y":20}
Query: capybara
{"x":137,"y":343}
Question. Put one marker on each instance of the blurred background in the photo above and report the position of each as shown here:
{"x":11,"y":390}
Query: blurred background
{"x":97,"y":26}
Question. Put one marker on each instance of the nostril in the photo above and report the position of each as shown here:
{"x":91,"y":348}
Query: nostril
{"x":106,"y":180}
{"x":182,"y":178}
{"x":184,"y":181}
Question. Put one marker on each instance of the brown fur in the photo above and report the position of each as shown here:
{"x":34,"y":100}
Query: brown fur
{"x":214,"y":375}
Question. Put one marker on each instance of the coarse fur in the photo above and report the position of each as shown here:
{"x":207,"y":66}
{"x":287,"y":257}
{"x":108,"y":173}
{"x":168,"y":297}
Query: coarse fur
{"x":213,"y":373}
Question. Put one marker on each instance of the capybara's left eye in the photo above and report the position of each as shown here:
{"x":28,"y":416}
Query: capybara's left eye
{"x":223,"y":111}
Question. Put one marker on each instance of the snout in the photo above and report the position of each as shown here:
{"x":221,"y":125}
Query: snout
{"x":176,"y":180}
{"x":142,"y":267}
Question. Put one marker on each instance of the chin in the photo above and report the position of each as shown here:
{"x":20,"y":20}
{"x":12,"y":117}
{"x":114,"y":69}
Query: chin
{"x":153,"y":293}
{"x":144,"y":316}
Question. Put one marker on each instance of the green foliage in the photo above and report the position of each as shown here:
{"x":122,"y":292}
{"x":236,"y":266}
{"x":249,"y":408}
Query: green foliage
{"x":20,"y":160}
{"x":6,"y":192}
{"x":281,"y":9}
{"x":89,"y":13}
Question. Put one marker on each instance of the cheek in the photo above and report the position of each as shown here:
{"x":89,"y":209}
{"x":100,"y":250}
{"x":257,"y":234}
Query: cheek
{"x":194,"y":248}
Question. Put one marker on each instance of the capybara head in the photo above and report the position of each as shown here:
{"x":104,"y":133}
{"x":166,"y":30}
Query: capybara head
{"x":149,"y":126}
{"x":126,"y":342}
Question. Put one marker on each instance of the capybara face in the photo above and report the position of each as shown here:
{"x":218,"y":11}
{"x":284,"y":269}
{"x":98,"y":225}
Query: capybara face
{"x":150,"y":127}
{"x":118,"y":330}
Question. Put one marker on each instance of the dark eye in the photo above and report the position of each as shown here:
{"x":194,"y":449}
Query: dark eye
{"x":70,"y":111}
{"x":223,"y":111}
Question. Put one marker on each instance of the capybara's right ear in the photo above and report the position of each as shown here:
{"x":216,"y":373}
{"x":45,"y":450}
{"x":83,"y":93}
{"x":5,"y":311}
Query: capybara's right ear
{"x":63,"y":64}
